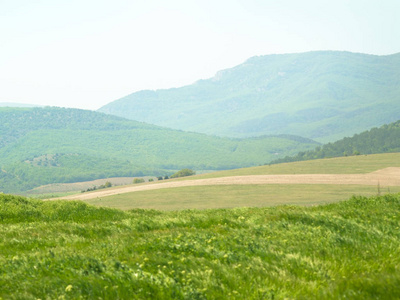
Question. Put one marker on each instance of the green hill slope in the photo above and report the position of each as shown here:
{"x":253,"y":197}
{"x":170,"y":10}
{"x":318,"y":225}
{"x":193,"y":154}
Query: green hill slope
{"x":47,"y":145}
{"x":384,"y":139}
{"x":323,"y":95}
{"x":70,"y":250}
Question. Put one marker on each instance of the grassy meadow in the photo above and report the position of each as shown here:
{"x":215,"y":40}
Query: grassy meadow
{"x":72,"y":250}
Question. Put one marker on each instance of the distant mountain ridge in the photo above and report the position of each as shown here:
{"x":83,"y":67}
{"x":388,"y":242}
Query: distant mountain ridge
{"x":40,"y":146}
{"x":322,"y":95}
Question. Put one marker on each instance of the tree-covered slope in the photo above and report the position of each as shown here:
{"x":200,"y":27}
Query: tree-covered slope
{"x":385,"y":139}
{"x":323,"y":95}
{"x":48,"y":145}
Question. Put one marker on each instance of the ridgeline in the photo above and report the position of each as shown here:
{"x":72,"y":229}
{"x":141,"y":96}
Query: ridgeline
{"x":322,"y":95}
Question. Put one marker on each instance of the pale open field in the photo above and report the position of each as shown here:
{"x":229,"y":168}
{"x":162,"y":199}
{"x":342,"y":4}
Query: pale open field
{"x":79,"y":186}
{"x":388,"y":177}
{"x":230,"y":196}
{"x":292,"y":183}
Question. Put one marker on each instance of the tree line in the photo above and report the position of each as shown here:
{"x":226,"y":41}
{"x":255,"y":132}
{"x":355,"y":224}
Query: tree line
{"x":385,"y":139}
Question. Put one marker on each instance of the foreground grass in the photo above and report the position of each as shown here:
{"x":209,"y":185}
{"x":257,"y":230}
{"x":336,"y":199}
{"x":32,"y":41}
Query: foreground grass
{"x":70,"y":250}
{"x":230,"y":196}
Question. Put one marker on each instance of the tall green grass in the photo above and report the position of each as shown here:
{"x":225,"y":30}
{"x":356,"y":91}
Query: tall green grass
{"x":71,"y":250}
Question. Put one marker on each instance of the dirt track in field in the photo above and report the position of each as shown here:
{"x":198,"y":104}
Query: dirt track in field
{"x":384,"y":177}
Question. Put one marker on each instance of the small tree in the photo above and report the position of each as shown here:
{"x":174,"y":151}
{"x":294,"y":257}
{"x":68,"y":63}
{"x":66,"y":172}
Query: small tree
{"x":183,"y":173}
{"x":138,"y":180}
{"x":108,"y":184}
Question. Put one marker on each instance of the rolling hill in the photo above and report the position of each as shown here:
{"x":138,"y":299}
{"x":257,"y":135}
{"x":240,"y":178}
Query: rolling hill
{"x":48,"y":145}
{"x":324,"y":95}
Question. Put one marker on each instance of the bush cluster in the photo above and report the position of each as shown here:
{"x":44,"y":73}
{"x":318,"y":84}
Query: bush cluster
{"x":183,"y":173}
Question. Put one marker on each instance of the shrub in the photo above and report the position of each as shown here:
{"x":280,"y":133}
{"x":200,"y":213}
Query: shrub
{"x":108,"y":184}
{"x":138,"y":180}
{"x":183,"y":173}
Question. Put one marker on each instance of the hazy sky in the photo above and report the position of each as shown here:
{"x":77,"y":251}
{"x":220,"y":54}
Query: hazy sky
{"x":86,"y":53}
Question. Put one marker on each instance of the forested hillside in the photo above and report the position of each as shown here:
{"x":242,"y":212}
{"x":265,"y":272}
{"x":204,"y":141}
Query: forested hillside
{"x":384,"y":139}
{"x":324,"y":95}
{"x":48,"y":145}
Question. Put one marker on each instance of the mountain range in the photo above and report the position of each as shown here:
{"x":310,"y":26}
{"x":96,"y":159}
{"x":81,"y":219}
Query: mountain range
{"x":323,"y":95}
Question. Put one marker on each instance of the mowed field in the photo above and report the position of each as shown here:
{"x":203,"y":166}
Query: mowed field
{"x":301,"y":183}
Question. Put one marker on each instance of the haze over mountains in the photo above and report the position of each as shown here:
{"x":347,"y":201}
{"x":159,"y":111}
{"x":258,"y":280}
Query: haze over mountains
{"x":268,"y":108}
{"x":13,"y":104}
{"x":324,"y":95}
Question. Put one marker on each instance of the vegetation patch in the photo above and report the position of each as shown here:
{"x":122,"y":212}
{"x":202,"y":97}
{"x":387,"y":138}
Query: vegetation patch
{"x":183,"y":173}
{"x":138,"y":180}
{"x":106,"y":185}
{"x":73,"y":250}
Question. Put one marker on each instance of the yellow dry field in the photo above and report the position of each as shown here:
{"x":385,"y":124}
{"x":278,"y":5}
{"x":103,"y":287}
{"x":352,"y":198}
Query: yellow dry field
{"x":306,"y":185}
{"x":384,"y":178}
{"x":232,"y":196}
{"x":288,"y":184}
